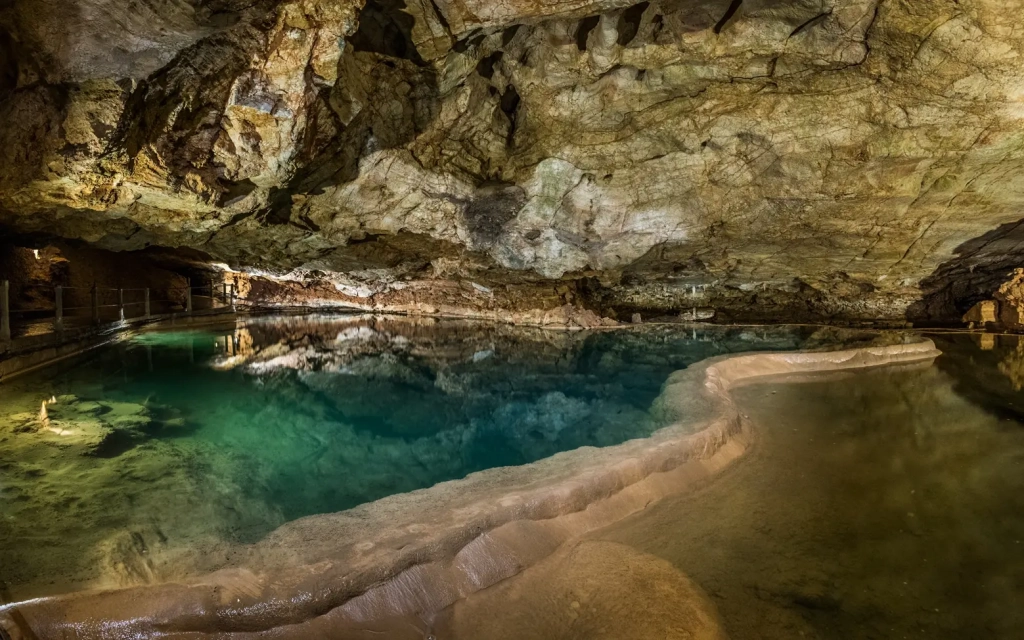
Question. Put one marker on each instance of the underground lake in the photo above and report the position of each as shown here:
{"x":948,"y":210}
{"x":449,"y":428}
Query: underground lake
{"x":882,"y":499}
{"x":511,"y":319}
{"x":166,"y":438}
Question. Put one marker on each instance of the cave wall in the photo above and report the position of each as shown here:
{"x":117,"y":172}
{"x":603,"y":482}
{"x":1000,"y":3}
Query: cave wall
{"x":77,"y":268}
{"x":770,"y":159}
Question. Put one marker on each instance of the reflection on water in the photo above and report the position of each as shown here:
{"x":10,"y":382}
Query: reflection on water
{"x":881,"y":504}
{"x":987,"y":369}
{"x":158,"y":452}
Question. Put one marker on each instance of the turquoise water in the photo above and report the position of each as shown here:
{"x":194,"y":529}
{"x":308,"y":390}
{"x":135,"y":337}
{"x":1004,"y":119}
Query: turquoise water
{"x":186,"y":438}
{"x":883,"y":503}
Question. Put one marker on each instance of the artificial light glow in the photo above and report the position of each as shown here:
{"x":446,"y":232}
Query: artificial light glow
{"x":35,"y":252}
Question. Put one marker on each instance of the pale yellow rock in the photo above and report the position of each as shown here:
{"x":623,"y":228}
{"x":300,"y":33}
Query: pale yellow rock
{"x":1011,"y":301}
{"x":984,"y":312}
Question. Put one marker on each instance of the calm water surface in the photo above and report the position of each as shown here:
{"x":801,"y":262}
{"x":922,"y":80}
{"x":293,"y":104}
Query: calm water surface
{"x":174,"y":441}
{"x":886,"y":503}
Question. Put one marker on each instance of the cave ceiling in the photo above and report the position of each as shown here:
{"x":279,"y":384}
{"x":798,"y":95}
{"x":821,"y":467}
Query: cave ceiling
{"x":856,"y":152}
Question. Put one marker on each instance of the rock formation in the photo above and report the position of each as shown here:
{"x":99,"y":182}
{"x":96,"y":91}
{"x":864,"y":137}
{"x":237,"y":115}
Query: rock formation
{"x":592,"y":590}
{"x":773,"y":159}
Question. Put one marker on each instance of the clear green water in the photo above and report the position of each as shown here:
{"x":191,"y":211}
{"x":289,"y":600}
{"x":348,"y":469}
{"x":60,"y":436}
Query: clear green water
{"x":884,"y":503}
{"x":182,"y":439}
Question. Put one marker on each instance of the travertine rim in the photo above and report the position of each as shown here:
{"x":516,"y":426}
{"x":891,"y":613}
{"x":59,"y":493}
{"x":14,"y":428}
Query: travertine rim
{"x":420,"y":552}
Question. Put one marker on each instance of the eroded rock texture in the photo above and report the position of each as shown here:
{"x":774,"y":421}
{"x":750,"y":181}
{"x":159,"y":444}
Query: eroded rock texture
{"x":772,"y":159}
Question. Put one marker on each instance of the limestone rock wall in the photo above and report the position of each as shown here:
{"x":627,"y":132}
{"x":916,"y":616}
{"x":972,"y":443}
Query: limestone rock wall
{"x":772,"y":159}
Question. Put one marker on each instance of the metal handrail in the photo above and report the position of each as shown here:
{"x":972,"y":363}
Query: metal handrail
{"x":226,"y":293}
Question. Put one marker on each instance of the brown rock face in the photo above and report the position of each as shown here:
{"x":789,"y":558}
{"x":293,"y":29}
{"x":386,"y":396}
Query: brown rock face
{"x":1011,"y":301}
{"x":773,"y":159}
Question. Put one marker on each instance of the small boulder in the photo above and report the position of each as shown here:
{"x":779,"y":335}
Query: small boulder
{"x":983,"y":313}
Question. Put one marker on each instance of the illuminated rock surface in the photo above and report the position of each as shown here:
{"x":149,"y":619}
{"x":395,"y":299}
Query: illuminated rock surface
{"x":779,"y":160}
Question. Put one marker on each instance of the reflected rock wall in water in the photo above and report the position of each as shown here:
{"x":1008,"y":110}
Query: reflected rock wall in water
{"x":272,"y":419}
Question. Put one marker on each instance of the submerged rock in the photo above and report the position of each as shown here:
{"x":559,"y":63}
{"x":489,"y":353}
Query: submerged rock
{"x":589,"y":591}
{"x":98,"y":427}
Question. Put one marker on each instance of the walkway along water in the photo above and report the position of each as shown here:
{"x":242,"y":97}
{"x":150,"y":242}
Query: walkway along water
{"x":49,"y":334}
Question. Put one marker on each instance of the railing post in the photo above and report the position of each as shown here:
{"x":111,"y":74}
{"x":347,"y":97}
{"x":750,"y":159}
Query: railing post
{"x":58,"y":318}
{"x":95,"y":304}
{"x":213,"y":295}
{"x":147,"y":303}
{"x":188,"y":297}
{"x":5,"y":312}
{"x":232,"y":296}
{"x":120,"y":304}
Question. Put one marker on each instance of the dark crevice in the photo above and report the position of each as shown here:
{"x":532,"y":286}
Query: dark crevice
{"x":657,"y":25}
{"x":509,"y":35}
{"x":510,"y":101}
{"x":236,"y":191}
{"x":279,"y":207}
{"x":729,"y":13}
{"x":238,"y":217}
{"x":486,"y":66}
{"x":510,"y":105}
{"x":867,"y":34}
{"x":385,"y":28}
{"x":308,"y":223}
{"x":629,"y":22}
{"x":469,"y":42}
{"x":441,"y":17}
{"x":8,"y":65}
{"x":583,"y":31}
{"x":223,"y":19}
{"x":810,"y":23}
{"x":977,"y":269}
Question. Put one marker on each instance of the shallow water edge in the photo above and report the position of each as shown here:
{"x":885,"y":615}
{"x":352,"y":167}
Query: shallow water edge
{"x":424,"y":550}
